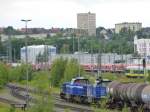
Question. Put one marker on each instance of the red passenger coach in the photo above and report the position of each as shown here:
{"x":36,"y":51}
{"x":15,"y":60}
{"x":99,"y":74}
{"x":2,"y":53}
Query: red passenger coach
{"x":105,"y":67}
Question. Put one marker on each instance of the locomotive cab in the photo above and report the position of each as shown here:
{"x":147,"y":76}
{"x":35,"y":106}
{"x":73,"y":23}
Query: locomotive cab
{"x":75,"y":87}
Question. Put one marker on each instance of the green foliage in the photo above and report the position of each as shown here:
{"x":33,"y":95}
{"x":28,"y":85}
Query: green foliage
{"x":125,"y":109}
{"x":65,"y":48}
{"x":64,"y":70}
{"x":13,"y":74}
{"x":43,"y":105}
{"x":72,"y":70}
{"x":121,"y":78}
{"x":12,"y":109}
{"x":57,"y":71}
{"x":40,"y":80}
{"x":67,"y":110}
{"x":10,"y":30}
{"x":4,"y":72}
{"x":19,"y":73}
{"x":103,"y":102}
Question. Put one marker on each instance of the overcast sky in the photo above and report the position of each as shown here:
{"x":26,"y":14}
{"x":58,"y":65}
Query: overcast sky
{"x":62,"y":13}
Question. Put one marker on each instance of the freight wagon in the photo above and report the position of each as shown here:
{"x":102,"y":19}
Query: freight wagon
{"x":136,"y":96}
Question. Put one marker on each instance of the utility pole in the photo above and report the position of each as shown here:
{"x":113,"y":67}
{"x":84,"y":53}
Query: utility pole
{"x":144,"y":62}
{"x":92,"y":59}
{"x":9,"y":45}
{"x":46,"y":49}
{"x":73,"y":43}
{"x":99,"y":62}
{"x":10,"y":49}
{"x":79,"y":55}
{"x":26,"y":55}
{"x":14,"y":55}
{"x":114,"y":62}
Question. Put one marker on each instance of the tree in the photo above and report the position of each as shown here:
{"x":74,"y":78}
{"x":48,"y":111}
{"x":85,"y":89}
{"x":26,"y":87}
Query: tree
{"x":4,"y":71}
{"x":65,"y":48}
{"x":57,"y":71}
{"x":72,"y":70}
{"x":2,"y":49}
{"x":9,"y":30}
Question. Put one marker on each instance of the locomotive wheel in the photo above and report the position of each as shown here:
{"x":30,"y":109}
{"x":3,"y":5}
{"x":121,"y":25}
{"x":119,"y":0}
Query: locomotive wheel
{"x":146,"y":110}
{"x":134,"y":109}
{"x":120,"y":105}
{"x":62,"y":95}
{"x":77,"y":99}
{"x":68,"y":97}
{"x":82,"y":99}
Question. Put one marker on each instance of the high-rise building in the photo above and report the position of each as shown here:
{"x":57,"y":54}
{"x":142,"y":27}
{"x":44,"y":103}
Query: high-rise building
{"x":87,"y":22}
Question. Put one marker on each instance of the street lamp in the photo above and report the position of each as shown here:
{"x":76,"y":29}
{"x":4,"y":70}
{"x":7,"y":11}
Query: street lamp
{"x":26,"y":55}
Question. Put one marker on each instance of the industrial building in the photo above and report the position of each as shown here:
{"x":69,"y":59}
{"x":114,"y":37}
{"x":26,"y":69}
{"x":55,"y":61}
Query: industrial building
{"x":37,"y":53}
{"x":135,"y":26}
{"x":87,"y":22}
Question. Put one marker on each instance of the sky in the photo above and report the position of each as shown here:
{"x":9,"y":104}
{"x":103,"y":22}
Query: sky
{"x":63,"y":13}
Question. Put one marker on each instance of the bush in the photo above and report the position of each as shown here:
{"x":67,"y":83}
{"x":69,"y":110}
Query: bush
{"x":43,"y":105}
{"x":4,"y":71}
{"x":40,"y":80}
{"x":19,"y":73}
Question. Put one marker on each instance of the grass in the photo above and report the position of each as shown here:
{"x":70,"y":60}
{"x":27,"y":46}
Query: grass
{"x":42,"y":82}
{"x":4,"y":107}
{"x":115,"y":76}
{"x":55,"y":90}
{"x":7,"y":108}
{"x":121,"y":77}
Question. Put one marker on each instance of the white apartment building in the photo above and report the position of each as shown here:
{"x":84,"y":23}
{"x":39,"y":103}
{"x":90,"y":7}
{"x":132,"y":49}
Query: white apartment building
{"x":132,"y":26}
{"x":87,"y":22}
{"x":34,"y":51}
{"x":142,"y":46}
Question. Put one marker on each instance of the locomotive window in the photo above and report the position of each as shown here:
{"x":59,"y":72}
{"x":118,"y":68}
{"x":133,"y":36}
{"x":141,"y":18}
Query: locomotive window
{"x":82,"y":81}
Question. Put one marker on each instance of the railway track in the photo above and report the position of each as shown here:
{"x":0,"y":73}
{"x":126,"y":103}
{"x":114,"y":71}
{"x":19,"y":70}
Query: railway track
{"x":13,"y":103}
{"x":77,"y":108}
{"x":8,"y":101}
{"x":58,"y":103}
{"x":22,"y":88}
